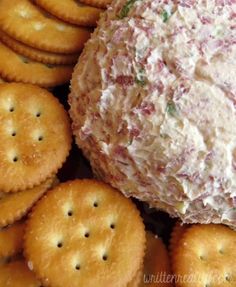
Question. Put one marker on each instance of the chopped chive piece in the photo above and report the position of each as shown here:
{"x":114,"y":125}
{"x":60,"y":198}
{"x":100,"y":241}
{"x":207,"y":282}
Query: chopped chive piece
{"x":24,"y":59}
{"x":50,"y":66}
{"x":126,"y":8}
{"x":165,"y":16}
{"x":140,"y":78}
{"x":164,"y":136}
{"x":171,"y":108}
{"x":141,"y":82}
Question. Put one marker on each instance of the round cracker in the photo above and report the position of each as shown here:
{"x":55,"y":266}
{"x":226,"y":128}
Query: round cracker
{"x":17,"y":68}
{"x":135,"y":282}
{"x":72,"y":11}
{"x":156,"y":270}
{"x":11,"y":239}
{"x":27,"y":23}
{"x":206,"y":256}
{"x":1,"y":80}
{"x":90,"y":231}
{"x":176,"y":234}
{"x":97,"y":3}
{"x":38,"y":55}
{"x":17,"y":274}
{"x":36,"y":136}
{"x":13,"y":206}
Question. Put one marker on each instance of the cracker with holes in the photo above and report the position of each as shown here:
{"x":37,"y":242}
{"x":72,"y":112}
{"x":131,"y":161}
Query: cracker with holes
{"x":27,"y":23}
{"x":15,"y":205}
{"x":35,"y":136}
{"x":206,"y":257}
{"x":11,"y":240}
{"x":89,"y":231}
{"x":17,"y":274}
{"x":17,"y":68}
{"x":72,"y":11}
{"x":38,"y":55}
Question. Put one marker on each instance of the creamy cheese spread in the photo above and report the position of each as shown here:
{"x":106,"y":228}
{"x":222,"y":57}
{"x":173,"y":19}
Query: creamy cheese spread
{"x":153,"y":103}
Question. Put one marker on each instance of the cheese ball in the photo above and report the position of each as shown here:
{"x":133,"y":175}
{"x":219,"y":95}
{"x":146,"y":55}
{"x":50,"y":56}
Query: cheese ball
{"x":153,"y":104}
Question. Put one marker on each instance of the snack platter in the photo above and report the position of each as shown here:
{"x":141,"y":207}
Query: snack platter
{"x":117,"y":154}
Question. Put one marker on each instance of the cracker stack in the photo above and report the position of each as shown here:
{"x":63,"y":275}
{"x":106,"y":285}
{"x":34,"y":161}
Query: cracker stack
{"x":40,"y":41}
{"x":83,"y":227}
{"x":35,"y":142}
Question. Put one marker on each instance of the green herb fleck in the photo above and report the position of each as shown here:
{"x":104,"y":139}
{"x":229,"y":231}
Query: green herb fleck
{"x":130,"y":142}
{"x":25,"y":60}
{"x":164,"y":136}
{"x":165,"y":16}
{"x":50,"y":66}
{"x":140,"y":78}
{"x":126,"y":8}
{"x":171,"y":108}
{"x":141,"y":82}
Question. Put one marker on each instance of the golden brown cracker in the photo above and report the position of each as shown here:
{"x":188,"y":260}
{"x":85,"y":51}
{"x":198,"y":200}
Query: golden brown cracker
{"x":1,"y":80}
{"x":97,"y":3}
{"x":72,"y":11}
{"x":36,"y":136}
{"x":13,"y":206}
{"x":11,"y":239}
{"x":156,"y":270}
{"x":25,"y":22}
{"x":17,"y":68}
{"x":90,"y":231}
{"x":176,"y":235}
{"x":38,"y":55}
{"x":17,"y":274}
{"x":135,"y":282}
{"x":206,"y":256}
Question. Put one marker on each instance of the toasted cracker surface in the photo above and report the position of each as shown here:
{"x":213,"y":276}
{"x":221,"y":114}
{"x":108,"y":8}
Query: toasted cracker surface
{"x":1,"y":80}
{"x":25,"y":22}
{"x":206,"y":256}
{"x":17,"y":274}
{"x":13,"y":206}
{"x":36,"y":136}
{"x":136,"y":281}
{"x":90,"y":231}
{"x":176,"y":235}
{"x":38,"y":55}
{"x":72,"y":11}
{"x":156,"y":270}
{"x":17,"y":68}
{"x":11,"y":239}
{"x":97,"y":3}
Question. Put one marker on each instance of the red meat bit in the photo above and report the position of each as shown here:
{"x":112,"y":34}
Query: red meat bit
{"x":135,"y":132}
{"x":160,"y":65}
{"x":234,"y":159}
{"x":205,"y":20}
{"x":147,"y":108}
{"x":231,"y":96}
{"x":160,"y":168}
{"x":125,"y":80}
{"x":225,"y":2}
{"x":85,"y":132}
{"x":209,"y":156}
{"x":187,"y":3}
{"x":159,"y":86}
{"x":120,"y":151}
